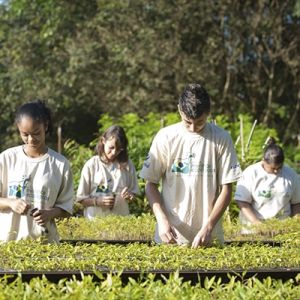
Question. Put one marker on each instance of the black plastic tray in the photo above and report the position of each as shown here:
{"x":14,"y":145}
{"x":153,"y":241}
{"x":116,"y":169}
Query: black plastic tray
{"x":192,"y":276}
{"x":124,"y":242}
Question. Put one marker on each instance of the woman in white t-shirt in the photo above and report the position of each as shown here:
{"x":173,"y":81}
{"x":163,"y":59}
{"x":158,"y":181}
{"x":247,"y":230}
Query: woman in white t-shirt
{"x":268,"y":189}
{"x":108,"y":179}
{"x":36,"y":184}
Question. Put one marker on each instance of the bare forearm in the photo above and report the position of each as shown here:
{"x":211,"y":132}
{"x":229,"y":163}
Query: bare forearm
{"x":57,"y":212}
{"x":89,"y":201}
{"x":204,"y":236}
{"x":154,"y":199}
{"x":106,"y":201}
{"x":220,"y":206}
{"x":18,"y":205}
{"x":166,"y":231}
{"x":5,"y":202}
{"x":246,"y":210}
{"x":295,"y":210}
{"x":43,"y":216}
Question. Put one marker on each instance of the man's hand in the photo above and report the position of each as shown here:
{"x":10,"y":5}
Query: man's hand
{"x":167,"y":232}
{"x":203,"y":238}
{"x":42,"y":216}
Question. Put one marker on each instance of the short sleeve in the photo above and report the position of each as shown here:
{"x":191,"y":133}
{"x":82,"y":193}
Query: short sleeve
{"x":84,"y":187}
{"x":229,"y":169}
{"x":133,"y":180}
{"x":155,"y":164}
{"x":244,"y":187}
{"x":296,"y":193}
{"x":65,"y":199}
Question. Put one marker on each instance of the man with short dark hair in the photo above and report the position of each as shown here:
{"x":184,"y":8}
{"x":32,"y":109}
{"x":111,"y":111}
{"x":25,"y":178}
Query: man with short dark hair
{"x":197,"y":163}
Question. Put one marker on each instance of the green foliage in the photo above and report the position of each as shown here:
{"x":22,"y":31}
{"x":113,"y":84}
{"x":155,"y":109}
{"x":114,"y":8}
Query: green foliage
{"x":297,"y":8}
{"x":100,"y":258}
{"x":77,"y":155}
{"x":33,"y":255}
{"x":142,"y":228}
{"x":292,"y":157}
{"x":252,"y":146}
{"x":139,"y":131}
{"x":111,"y":227}
{"x":151,"y":287}
{"x":93,"y":57}
{"x":270,"y":230}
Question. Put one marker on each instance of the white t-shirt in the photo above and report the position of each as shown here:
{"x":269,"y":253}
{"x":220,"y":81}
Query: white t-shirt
{"x":99,"y":179}
{"x":270,"y":195}
{"x":43,"y":182}
{"x":192,"y":168}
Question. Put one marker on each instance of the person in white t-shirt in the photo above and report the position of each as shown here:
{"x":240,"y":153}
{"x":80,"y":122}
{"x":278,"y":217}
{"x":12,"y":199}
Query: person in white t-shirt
{"x":268,"y":189}
{"x":197,"y":163}
{"x":32,"y":176}
{"x":108,"y":179}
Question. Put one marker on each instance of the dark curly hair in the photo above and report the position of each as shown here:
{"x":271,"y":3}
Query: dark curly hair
{"x":38,"y":112}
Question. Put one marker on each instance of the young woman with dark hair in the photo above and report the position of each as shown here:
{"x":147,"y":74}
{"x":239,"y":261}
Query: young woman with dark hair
{"x":36,"y":184}
{"x":109,"y":178}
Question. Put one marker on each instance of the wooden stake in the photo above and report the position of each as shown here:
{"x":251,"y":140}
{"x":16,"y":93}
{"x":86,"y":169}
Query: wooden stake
{"x":266,"y":142}
{"x":251,"y":133}
{"x":242,"y":140}
{"x":237,"y":140}
{"x":59,"y":139}
{"x":162,"y":121}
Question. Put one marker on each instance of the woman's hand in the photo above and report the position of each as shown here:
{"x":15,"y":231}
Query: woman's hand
{"x":107,"y":201}
{"x":19,"y":206}
{"x":126,"y":194}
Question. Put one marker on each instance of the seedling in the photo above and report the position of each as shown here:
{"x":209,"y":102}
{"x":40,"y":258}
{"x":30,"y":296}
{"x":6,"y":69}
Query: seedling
{"x":44,"y":229}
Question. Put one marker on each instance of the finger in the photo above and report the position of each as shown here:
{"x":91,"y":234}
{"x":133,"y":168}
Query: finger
{"x":36,"y":214}
{"x":194,"y":246}
{"x":170,"y":239}
{"x":173,"y":232}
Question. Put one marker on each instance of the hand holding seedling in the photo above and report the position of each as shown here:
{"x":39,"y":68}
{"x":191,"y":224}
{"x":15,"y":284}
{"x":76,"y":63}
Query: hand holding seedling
{"x":107,"y":201}
{"x":41,"y":216}
{"x":19,"y":206}
{"x":126,"y":194}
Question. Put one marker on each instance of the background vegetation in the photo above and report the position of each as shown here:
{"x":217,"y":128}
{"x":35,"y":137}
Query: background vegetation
{"x":249,"y":141}
{"x":101,"y":62}
{"x":122,"y":56}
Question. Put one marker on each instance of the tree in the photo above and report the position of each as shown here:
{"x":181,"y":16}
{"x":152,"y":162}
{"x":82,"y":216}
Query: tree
{"x":87,"y":58}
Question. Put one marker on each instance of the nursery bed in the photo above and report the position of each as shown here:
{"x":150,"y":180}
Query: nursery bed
{"x":149,"y":242}
{"x":192,"y":276}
